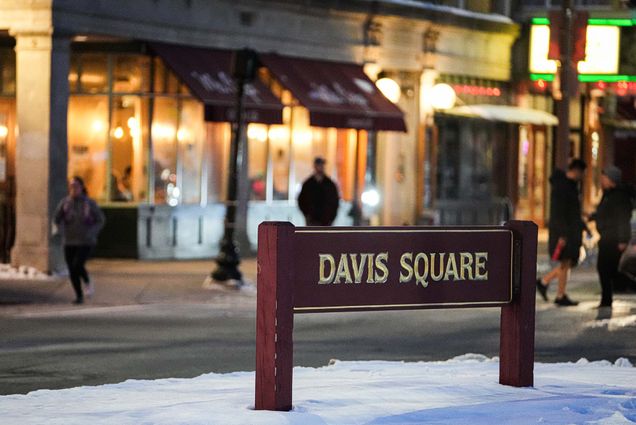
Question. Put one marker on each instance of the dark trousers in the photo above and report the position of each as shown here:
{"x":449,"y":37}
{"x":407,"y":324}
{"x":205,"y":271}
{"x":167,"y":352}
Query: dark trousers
{"x":76,"y":256}
{"x":607,"y":266}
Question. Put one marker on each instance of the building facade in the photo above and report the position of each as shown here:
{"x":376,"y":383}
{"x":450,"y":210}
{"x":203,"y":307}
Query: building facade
{"x":602,"y":113}
{"x":84,"y":91}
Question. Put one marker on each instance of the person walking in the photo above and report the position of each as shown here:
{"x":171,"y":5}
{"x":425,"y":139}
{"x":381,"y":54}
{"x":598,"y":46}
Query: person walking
{"x":318,"y":199}
{"x":80,"y":220}
{"x":565,"y":230}
{"x":612,"y":216}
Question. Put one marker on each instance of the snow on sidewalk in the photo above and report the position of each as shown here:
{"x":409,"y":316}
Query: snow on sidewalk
{"x":21,"y":273}
{"x":463,"y":390}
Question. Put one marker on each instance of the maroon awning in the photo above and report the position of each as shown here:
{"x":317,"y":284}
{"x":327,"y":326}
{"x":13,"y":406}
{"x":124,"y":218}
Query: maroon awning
{"x":207,"y":74}
{"x":336,"y":94}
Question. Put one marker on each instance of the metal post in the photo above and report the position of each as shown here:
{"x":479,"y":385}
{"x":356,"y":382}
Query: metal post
{"x":565,"y":75}
{"x":244,"y":64}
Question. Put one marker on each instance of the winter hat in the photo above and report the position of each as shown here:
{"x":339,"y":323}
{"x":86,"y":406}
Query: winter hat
{"x":614,"y":173}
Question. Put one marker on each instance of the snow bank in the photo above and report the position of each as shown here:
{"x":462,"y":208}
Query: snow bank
{"x":22,"y":272}
{"x":463,"y":390}
{"x":418,"y":4}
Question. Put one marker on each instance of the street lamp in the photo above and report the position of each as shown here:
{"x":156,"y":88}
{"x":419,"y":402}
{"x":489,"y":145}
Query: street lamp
{"x":244,"y":66}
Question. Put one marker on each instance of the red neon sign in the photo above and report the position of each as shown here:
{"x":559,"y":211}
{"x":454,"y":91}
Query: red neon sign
{"x":477,"y":90}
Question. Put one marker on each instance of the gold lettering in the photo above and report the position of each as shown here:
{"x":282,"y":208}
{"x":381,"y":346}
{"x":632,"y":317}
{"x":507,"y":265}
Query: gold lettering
{"x":437,"y":277}
{"x":343,"y":270}
{"x":370,"y":269}
{"x":480,"y":266}
{"x":466,"y":265}
{"x":358,"y":267}
{"x":405,"y":261}
{"x":421,"y":278}
{"x":327,"y":258}
{"x":451,"y":268}
{"x":380,"y":264}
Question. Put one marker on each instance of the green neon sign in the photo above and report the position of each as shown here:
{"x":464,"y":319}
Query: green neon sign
{"x":594,"y":21}
{"x":591,"y":78}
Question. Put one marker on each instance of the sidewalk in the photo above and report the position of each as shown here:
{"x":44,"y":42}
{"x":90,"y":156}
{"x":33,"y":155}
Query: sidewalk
{"x":135,"y":282}
{"x":129,"y":282}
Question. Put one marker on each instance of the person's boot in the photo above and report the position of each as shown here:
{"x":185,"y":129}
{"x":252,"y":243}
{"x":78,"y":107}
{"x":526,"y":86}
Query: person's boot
{"x":542,"y":290}
{"x":564,"y":301}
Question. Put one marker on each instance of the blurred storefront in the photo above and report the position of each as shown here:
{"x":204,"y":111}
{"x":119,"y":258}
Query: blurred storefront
{"x":602,"y":112}
{"x":7,"y":148}
{"x":138,"y":98}
{"x":487,"y":154}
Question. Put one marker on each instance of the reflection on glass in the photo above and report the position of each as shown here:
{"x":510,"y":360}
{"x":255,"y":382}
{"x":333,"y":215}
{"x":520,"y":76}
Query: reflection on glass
{"x":165,"y":80}
{"x":257,"y":160}
{"x":164,"y":141}
{"x":128,"y":178}
{"x":73,"y":75}
{"x":191,"y":137}
{"x":93,"y":73}
{"x":7,"y":71}
{"x":4,"y":136}
{"x":279,"y":152}
{"x":218,"y":148}
{"x":87,"y":142}
{"x":130,"y":73}
{"x":283,"y":154}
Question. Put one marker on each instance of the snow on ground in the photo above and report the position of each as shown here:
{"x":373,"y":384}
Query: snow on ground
{"x":463,"y":390}
{"x":22,"y":272}
{"x":418,"y":4}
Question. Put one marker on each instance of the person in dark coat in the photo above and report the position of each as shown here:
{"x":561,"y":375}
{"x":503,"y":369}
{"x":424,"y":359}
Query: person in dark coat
{"x":565,"y":229}
{"x":318,"y":199}
{"x":612,"y":217}
{"x":80,"y":221}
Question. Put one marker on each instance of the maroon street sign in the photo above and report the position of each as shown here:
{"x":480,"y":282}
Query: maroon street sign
{"x":398,"y":268}
{"x":313,"y":269}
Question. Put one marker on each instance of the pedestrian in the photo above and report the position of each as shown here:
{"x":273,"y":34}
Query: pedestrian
{"x":318,"y":199}
{"x":565,"y":230}
{"x":612,"y":216}
{"x":80,"y":221}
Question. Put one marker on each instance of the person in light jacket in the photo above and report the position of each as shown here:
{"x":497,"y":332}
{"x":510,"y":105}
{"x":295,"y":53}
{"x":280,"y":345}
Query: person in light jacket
{"x":80,"y":220}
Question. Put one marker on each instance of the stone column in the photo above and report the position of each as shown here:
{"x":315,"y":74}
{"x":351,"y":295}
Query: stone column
{"x":42,"y":62}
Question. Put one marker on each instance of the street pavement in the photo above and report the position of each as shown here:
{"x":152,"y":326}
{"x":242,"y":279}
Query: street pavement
{"x":160,"y":319}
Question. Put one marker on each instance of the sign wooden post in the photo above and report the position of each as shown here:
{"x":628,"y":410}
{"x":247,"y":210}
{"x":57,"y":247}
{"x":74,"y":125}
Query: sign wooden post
{"x":274,"y":316}
{"x":516,"y":346}
{"x":313,"y":270}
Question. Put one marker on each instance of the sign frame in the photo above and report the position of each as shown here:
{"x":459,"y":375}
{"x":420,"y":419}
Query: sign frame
{"x":276,"y":268}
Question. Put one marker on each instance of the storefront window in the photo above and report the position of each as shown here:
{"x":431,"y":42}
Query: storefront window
{"x":92,"y":71}
{"x":114,"y":157}
{"x":218,"y":148}
{"x":257,"y":142}
{"x":7,"y":140}
{"x":7,"y":71}
{"x":128,"y":149}
{"x":472,"y":159}
{"x":88,"y":142}
{"x":164,"y":145}
{"x":191,"y":138}
{"x":131,"y":74}
{"x":283,"y":155}
{"x":345,"y":162}
{"x":165,"y":81}
{"x":279,"y":151}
